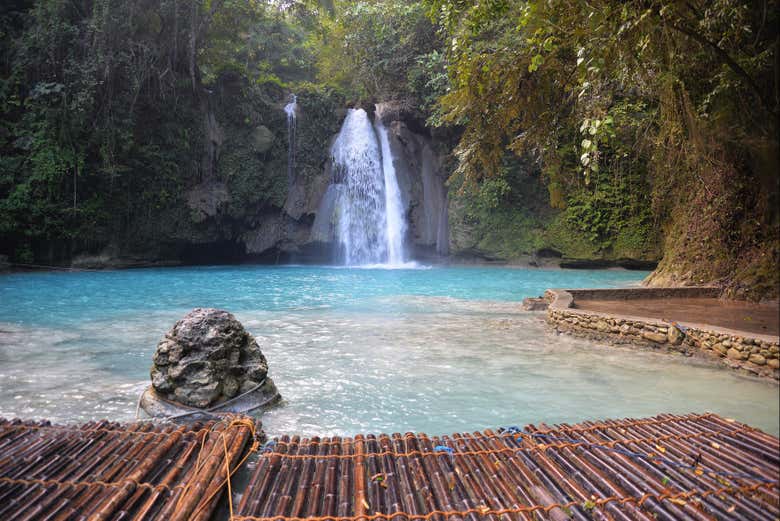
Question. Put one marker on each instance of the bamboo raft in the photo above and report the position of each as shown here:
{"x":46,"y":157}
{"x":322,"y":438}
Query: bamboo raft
{"x":668,"y":467}
{"x":105,"y":471}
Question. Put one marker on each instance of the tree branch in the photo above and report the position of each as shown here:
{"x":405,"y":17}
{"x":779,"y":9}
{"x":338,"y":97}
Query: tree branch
{"x":728,"y":60}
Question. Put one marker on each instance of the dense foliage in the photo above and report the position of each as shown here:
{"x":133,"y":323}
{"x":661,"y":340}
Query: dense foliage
{"x":624,"y":100}
{"x":383,"y":51}
{"x":103,"y":104}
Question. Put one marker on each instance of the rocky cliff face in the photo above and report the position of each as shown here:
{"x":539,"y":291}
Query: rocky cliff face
{"x":303,"y":228}
{"x":245,"y":206}
{"x":509,"y":219}
{"x":421,"y":180}
{"x":239,"y":203}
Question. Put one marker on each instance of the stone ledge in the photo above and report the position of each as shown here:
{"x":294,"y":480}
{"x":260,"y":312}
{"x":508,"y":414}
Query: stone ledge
{"x":642,"y":293}
{"x":743,"y":351}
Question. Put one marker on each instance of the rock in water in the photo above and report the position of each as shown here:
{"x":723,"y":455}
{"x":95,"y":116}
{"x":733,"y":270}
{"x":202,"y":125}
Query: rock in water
{"x":206,"y":359}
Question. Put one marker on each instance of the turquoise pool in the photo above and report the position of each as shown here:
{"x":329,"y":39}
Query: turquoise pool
{"x":435,"y":350}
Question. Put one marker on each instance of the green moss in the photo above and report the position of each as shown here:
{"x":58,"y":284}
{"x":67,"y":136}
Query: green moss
{"x":510,"y":235}
{"x":637,"y":239}
{"x":509,"y":217}
{"x":321,"y":111}
{"x":562,"y":237}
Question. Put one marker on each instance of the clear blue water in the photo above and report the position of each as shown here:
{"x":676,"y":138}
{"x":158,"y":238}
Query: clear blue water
{"x":435,"y":350}
{"x":57,"y":298}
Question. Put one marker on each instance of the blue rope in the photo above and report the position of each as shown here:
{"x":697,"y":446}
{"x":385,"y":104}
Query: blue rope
{"x":683,"y":329}
{"x":514,"y":430}
{"x":444,"y":448}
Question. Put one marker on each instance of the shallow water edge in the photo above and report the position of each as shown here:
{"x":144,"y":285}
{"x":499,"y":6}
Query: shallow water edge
{"x":437,"y":351}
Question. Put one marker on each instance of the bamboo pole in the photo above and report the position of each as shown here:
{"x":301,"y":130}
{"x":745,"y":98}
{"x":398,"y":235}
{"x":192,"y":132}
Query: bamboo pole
{"x":211,"y":459}
{"x":314,"y":498}
{"x":260,"y":481}
{"x":377,"y":482}
{"x":471,"y":491}
{"x":435,"y":475}
{"x":236,"y":439}
{"x":316,"y":492}
{"x":175,"y":468}
{"x":331,"y":477}
{"x":107,"y":508}
{"x":344,"y":493}
{"x":402,"y":474}
{"x":359,"y":479}
{"x":496,"y":493}
{"x":596,"y":487}
{"x":389,"y":468}
{"x":281,"y":476}
{"x":299,"y":501}
{"x":292,"y":471}
{"x":50,"y":469}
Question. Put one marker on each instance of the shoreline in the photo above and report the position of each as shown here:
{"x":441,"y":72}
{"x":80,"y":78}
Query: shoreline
{"x":324,"y":266}
{"x":741,"y":350}
{"x":529,"y":262}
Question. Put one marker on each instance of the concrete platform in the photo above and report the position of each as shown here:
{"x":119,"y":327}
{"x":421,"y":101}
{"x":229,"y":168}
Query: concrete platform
{"x":661,"y":318}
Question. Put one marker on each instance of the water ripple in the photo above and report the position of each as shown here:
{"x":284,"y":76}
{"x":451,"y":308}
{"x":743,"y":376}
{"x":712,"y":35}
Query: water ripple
{"x":392,"y":351}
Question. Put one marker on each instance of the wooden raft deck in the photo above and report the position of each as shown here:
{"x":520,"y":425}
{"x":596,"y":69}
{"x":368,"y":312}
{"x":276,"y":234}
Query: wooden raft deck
{"x":666,"y":467}
{"x":108,"y":471}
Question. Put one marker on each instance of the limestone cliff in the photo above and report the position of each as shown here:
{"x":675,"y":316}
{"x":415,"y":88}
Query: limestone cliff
{"x":249,"y":207}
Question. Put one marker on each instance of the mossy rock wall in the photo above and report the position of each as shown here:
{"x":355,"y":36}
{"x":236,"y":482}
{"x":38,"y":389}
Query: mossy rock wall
{"x":512,"y":220}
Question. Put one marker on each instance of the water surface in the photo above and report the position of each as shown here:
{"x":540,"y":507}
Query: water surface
{"x":434,"y":350}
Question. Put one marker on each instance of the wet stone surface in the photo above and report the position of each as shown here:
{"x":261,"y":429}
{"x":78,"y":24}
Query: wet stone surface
{"x":207,"y":358}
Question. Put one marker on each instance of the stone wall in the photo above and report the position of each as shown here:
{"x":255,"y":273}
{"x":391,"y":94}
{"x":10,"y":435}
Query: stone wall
{"x":643,"y":293}
{"x":753,"y":354}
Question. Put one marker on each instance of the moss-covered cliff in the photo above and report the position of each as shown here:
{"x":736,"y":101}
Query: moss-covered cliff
{"x":509,"y":218}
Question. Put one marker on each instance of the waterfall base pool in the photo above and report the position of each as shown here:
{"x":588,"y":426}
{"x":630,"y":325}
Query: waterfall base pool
{"x":352,"y":350}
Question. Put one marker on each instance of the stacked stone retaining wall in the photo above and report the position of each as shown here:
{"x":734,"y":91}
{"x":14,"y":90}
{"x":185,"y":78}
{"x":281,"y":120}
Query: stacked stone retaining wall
{"x":754,"y":354}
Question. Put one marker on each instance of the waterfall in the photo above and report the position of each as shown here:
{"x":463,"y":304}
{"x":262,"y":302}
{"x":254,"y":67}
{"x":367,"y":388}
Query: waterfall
{"x":370,"y":227}
{"x":290,"y":109}
{"x":396,"y":224}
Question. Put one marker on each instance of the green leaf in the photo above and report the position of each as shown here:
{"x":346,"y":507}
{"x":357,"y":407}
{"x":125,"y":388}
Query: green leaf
{"x":536,"y":61}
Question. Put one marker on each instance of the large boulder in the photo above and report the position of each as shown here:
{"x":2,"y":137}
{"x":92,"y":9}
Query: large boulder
{"x":262,"y":139}
{"x":207,"y":199}
{"x":208,"y":358}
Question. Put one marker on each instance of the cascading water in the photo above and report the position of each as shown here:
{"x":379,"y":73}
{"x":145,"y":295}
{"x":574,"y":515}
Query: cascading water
{"x":357,"y":164}
{"x":370,"y":225}
{"x":396,"y":224}
{"x":290,"y":109}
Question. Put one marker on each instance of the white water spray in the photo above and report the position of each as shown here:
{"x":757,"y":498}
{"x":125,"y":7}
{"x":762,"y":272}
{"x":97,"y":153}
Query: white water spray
{"x":396,"y":224}
{"x":370,"y":226}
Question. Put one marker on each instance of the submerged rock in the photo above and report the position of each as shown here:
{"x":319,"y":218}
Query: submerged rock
{"x":535,"y":304}
{"x":206,"y":359}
